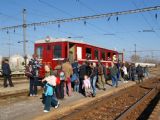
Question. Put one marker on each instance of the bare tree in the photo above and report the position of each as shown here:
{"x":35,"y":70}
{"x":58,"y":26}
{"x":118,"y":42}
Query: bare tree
{"x":135,"y":58}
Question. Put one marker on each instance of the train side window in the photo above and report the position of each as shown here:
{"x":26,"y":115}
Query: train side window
{"x":109,"y":56}
{"x":88,"y":53}
{"x":103,"y":55}
{"x":57,"y":51}
{"x":39,"y":52}
{"x":96,"y":55}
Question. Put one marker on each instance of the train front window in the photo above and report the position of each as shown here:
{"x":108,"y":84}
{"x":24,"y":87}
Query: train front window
{"x":57,"y":51}
{"x":39,"y":52}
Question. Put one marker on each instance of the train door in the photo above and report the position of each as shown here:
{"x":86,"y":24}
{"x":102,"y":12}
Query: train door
{"x":120,"y":57}
{"x":43,"y":52}
{"x":72,"y":52}
{"x":47,"y":54}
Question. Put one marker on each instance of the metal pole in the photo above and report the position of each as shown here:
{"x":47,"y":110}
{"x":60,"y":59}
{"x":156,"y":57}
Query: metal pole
{"x":24,"y":36}
{"x":135,"y":53}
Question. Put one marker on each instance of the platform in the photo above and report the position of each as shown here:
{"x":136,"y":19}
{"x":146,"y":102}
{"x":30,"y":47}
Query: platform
{"x":32,"y":108}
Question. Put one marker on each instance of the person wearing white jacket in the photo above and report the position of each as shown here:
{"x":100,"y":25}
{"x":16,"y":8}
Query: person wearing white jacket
{"x":124,"y":69}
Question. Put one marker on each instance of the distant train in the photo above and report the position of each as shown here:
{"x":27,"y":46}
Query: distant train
{"x":50,"y":50}
{"x":145,"y":64}
{"x":16,"y":63}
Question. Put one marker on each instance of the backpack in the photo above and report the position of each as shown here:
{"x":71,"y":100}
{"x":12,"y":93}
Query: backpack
{"x":100,"y":69}
{"x":61,"y":75}
{"x":28,"y":72}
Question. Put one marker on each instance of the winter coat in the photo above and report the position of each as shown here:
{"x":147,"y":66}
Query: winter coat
{"x":6,"y":69}
{"x":94,"y":72}
{"x":113,"y":70}
{"x":139,"y":70}
{"x":67,"y":68}
{"x":51,"y":80}
{"x":82,"y":71}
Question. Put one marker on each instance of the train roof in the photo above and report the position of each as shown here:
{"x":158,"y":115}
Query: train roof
{"x":50,"y":40}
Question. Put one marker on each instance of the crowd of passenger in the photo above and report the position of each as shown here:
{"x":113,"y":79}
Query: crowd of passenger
{"x":85,"y":79}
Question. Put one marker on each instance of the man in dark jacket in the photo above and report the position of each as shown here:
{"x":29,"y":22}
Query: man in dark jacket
{"x":114,"y":71}
{"x":133,"y":72}
{"x":139,"y":71}
{"x":6,"y":71}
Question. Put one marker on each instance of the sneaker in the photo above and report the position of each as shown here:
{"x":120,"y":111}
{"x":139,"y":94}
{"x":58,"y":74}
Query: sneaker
{"x":45,"y":111}
{"x":93,"y":95}
{"x":57,"y":105}
{"x":30,"y":95}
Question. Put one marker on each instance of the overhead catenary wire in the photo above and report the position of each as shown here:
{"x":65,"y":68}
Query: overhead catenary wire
{"x":83,"y":18}
{"x":145,"y":19}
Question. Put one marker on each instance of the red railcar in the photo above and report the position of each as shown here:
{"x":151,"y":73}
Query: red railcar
{"x":50,"y":50}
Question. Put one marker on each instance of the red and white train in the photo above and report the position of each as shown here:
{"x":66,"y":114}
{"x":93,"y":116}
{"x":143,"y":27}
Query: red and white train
{"x":50,"y":50}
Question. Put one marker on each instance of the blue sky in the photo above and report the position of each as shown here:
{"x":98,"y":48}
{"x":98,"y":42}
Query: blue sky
{"x":125,"y":30}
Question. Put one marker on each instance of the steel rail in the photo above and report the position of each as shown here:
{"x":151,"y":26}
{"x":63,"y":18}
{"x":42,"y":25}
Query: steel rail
{"x":124,"y":114}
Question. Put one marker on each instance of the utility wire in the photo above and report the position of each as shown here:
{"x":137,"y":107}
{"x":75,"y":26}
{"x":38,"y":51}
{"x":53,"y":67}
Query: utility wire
{"x":145,"y":19}
{"x":84,"y":18}
{"x":155,"y":21}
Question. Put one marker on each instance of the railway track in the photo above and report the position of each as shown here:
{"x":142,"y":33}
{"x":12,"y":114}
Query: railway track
{"x":155,"y":115}
{"x":129,"y":104}
{"x":135,"y":107}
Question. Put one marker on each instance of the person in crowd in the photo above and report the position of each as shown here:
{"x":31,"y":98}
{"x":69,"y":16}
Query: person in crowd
{"x":75,"y":81}
{"x":129,"y":71}
{"x":133,"y":72}
{"x":113,"y":71}
{"x":125,"y":73}
{"x":82,"y":72}
{"x":75,"y":77}
{"x":146,"y":71}
{"x":139,"y":71}
{"x":118,"y":73}
{"x":6,"y":72}
{"x":34,"y":67}
{"x":93,"y":78}
{"x":101,"y":80}
{"x":88,"y":68}
{"x":49,"y":98}
{"x":75,"y":67}
{"x":68,"y":71}
{"x":60,"y":83}
{"x":87,"y":86}
{"x":105,"y":71}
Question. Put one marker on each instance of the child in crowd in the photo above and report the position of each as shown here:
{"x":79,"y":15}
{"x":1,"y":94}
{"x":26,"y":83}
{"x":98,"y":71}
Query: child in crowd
{"x":49,"y":90}
{"x":75,"y":81}
{"x":87,"y":86}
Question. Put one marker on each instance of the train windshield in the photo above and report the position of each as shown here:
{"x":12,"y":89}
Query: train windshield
{"x":57,"y":51}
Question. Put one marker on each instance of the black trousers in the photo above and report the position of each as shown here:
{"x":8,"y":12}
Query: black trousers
{"x":60,"y":90}
{"x":7,"y":78}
